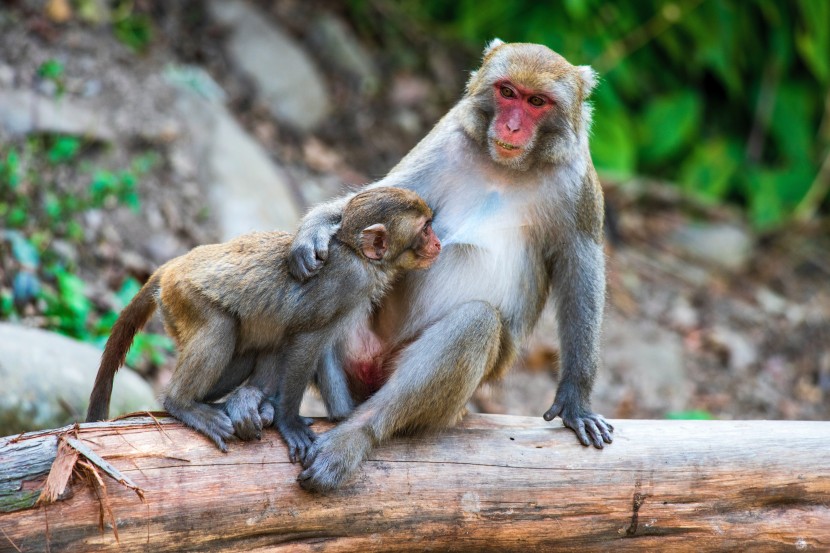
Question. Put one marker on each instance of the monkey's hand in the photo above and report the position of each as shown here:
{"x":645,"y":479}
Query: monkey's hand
{"x":298,"y":437}
{"x":590,"y":428}
{"x":333,"y":458}
{"x":309,"y":250}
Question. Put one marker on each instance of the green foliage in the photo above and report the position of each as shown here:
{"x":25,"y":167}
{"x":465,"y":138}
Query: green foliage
{"x":52,"y":70}
{"x":36,"y":211}
{"x":725,"y":97}
{"x":692,"y":415}
{"x":133,"y":29}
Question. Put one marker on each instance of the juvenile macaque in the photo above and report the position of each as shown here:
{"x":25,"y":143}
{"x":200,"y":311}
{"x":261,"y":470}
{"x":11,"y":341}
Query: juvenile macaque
{"x":235,"y":312}
{"x":519,"y":211}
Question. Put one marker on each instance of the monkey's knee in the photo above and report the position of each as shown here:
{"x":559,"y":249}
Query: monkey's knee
{"x":479,"y":326}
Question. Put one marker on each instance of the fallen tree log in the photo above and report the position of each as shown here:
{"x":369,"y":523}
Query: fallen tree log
{"x":493,"y":483}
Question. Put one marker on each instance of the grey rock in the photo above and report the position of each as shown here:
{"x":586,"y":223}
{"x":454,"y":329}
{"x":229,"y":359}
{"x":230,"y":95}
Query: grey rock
{"x":47,"y":379}
{"x":336,"y":42}
{"x":284,"y":76}
{"x":723,"y":245}
{"x":649,"y":362}
{"x":247,"y":190}
{"x":742,"y":353}
{"x":23,"y":112}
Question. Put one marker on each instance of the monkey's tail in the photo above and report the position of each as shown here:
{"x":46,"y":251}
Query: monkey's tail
{"x":129,"y":322}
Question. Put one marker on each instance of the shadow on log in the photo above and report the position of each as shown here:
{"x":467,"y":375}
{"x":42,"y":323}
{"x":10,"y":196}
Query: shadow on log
{"x":493,"y":483}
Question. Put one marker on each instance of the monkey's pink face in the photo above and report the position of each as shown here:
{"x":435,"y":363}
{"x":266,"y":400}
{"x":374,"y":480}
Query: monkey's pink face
{"x":428,"y":246}
{"x":519,"y":111}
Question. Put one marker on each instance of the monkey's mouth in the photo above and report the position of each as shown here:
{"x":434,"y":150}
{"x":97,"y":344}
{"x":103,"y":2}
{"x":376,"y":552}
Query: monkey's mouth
{"x":505,"y":145}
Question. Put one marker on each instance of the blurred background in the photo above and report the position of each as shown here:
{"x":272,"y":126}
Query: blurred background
{"x":134,"y":130}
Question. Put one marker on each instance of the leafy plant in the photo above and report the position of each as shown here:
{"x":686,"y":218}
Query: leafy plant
{"x":132,"y":28}
{"x":727,"y":98}
{"x":38,"y":211}
{"x":52,"y":70}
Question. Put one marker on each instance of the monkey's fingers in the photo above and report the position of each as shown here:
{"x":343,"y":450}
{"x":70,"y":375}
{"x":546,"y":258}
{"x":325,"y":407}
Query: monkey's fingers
{"x":266,"y":414}
{"x":554,"y":411}
{"x":305,"y":260}
{"x":593,"y":432}
{"x":605,"y":428}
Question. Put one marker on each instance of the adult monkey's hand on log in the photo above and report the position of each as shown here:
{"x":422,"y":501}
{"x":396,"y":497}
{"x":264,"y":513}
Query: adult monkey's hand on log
{"x":519,"y":211}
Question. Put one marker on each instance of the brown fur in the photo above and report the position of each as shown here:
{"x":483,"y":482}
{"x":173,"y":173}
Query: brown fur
{"x":232,"y":308}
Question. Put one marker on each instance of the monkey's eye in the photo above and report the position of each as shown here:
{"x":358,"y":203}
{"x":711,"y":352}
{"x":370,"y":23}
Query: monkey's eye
{"x":537,"y":101}
{"x":507,"y":92}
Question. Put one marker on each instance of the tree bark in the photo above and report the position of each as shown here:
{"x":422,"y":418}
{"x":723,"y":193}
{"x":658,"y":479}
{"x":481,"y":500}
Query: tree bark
{"x":493,"y":483}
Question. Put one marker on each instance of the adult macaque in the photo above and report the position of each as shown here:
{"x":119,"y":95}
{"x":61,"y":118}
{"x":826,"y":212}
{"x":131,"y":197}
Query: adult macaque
{"x":235,"y":312}
{"x":519,"y":210}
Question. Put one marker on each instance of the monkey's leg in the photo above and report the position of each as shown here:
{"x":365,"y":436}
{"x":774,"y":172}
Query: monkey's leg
{"x":333,"y":385}
{"x":200,"y":366}
{"x":301,"y":357}
{"x":579,"y":286}
{"x":434,"y":378}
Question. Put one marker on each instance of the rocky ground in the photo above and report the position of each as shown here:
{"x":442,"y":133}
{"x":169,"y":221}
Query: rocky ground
{"x":254,"y":111}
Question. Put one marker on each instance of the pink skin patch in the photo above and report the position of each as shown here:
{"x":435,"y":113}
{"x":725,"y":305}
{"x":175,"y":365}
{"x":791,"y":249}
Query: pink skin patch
{"x":365,"y":359}
{"x":519,"y":112}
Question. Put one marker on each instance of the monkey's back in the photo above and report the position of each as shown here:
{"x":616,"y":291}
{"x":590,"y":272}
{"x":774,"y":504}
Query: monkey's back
{"x":248,"y":278}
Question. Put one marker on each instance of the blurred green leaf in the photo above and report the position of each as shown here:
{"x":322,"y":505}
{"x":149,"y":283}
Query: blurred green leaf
{"x":612,"y":147}
{"x":668,"y":124}
{"x":793,"y":123}
{"x":50,"y":69}
{"x":691,"y":415}
{"x":709,"y":173}
{"x":813,"y":39}
{"x":64,"y":149}
{"x":128,"y":290}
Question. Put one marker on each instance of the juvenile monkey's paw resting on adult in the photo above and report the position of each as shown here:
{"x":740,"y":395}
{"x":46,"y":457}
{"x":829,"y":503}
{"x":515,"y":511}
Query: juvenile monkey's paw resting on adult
{"x":590,"y":428}
{"x":333,"y":459}
{"x":309,"y":252}
{"x":297,"y":435}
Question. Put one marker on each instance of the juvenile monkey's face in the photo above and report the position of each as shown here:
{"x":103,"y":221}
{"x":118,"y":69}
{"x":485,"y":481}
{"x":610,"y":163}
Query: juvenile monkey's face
{"x":424,"y":247}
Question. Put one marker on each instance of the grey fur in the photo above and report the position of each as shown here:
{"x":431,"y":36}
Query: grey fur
{"x":511,"y":234}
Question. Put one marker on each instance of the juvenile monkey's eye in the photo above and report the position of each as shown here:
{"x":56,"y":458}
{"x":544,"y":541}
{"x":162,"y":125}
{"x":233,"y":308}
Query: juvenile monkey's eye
{"x":507,"y":92}
{"x":537,"y":101}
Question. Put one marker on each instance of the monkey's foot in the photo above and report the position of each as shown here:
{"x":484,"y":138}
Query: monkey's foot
{"x":298,"y":437}
{"x":590,"y":428}
{"x":244,"y":406}
{"x":333,"y":458}
{"x":209,"y":420}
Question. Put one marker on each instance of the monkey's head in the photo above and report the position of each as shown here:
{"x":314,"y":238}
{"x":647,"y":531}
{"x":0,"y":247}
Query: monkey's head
{"x":390,"y":226}
{"x":526,"y":104}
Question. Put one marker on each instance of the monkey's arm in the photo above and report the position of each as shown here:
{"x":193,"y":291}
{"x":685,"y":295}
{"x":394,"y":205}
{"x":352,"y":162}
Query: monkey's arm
{"x":310,"y":247}
{"x":579,"y":288}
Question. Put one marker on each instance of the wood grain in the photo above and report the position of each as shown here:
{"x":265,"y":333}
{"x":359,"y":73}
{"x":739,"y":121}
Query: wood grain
{"x":493,"y":483}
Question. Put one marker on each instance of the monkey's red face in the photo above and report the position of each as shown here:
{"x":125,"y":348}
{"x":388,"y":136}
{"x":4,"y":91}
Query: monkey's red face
{"x":428,"y":246}
{"x":519,"y":111}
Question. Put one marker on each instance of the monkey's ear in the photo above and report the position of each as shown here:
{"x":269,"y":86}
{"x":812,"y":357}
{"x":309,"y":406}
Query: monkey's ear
{"x":492,"y":45}
{"x":589,"y":78}
{"x":374,"y":241}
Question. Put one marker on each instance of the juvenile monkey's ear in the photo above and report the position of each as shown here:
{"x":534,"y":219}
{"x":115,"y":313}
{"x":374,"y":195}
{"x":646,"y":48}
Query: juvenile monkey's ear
{"x":589,"y":78}
{"x":374,"y":241}
{"x":492,"y":45}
